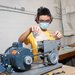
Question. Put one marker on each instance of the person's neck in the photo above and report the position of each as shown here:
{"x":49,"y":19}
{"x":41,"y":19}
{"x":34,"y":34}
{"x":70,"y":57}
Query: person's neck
{"x":44,"y":30}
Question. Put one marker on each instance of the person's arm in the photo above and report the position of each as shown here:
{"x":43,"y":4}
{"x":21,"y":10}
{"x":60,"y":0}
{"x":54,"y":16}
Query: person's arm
{"x":24,"y":36}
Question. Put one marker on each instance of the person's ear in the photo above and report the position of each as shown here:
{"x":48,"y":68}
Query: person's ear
{"x":51,"y":19}
{"x":36,"y":20}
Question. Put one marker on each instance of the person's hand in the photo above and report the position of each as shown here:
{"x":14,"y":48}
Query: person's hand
{"x":57,"y":35}
{"x":35,"y":28}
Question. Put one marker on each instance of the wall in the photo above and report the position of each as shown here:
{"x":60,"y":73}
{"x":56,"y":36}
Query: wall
{"x":68,"y":22}
{"x":14,"y":22}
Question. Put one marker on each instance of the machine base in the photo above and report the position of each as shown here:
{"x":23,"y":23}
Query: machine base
{"x":39,"y":69}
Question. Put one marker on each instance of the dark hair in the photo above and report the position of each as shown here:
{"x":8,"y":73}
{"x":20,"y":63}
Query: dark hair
{"x":43,"y":11}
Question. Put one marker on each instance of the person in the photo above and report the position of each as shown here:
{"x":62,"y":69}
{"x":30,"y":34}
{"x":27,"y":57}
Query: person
{"x":40,"y":31}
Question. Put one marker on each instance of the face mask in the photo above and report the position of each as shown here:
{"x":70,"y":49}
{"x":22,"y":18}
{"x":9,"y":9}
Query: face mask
{"x":43,"y":25}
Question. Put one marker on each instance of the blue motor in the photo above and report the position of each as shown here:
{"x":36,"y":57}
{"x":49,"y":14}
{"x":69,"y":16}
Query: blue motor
{"x":17,"y":57}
